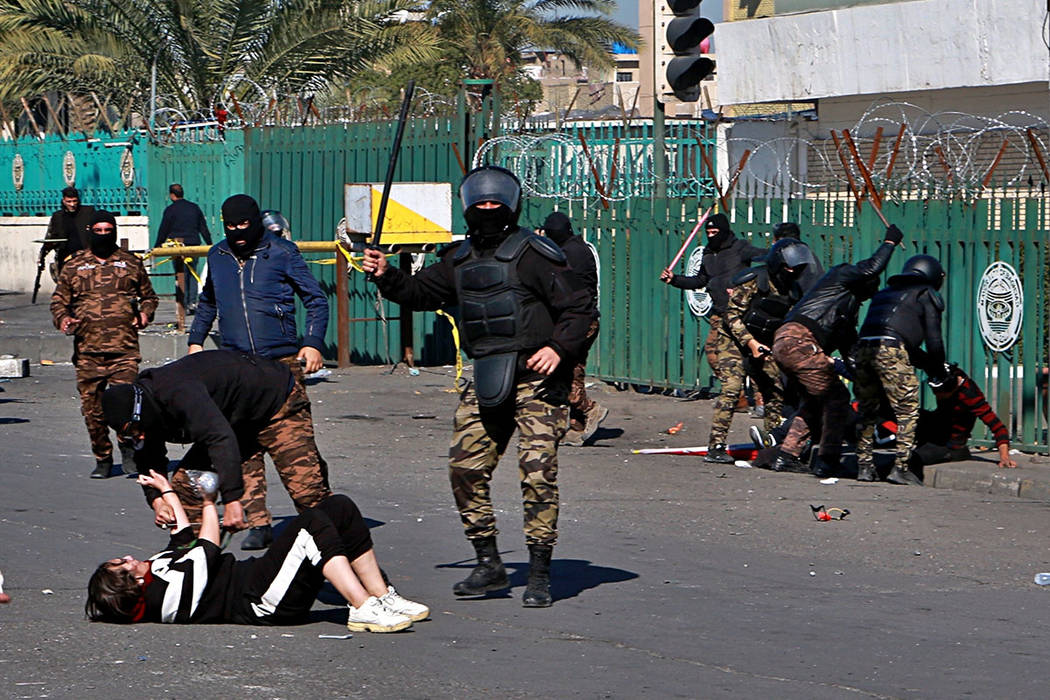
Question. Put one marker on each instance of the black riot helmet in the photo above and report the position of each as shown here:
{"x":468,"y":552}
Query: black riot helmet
{"x":785,"y":254}
{"x":786,"y":229}
{"x":920,"y":269}
{"x":490,"y":183}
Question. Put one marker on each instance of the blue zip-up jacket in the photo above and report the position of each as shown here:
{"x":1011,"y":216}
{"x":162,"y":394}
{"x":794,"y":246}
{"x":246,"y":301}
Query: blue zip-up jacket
{"x":255,"y":302}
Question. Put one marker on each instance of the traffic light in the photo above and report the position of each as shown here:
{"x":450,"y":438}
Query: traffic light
{"x":679,"y":65}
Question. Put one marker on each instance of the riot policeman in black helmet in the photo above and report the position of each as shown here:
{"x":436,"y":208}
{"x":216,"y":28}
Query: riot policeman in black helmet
{"x":902,"y":316}
{"x":762,"y":297}
{"x":524,"y":318}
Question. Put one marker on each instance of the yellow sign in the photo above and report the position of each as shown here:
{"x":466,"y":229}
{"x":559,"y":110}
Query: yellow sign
{"x":416,"y":212}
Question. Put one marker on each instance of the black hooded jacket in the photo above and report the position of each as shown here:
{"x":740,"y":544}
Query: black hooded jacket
{"x":910,"y":313}
{"x":829,"y":310}
{"x":721,"y":263}
{"x":218,"y":400}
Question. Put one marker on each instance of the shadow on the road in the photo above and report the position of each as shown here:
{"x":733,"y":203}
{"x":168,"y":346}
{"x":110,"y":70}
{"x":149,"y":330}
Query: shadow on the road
{"x":569,"y":577}
{"x":13,"y":400}
{"x":8,"y":421}
{"x":603,"y":434}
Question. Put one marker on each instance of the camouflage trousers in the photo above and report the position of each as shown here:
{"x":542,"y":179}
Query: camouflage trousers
{"x":579,"y":403}
{"x":289,"y":440}
{"x":732,"y":366}
{"x":825,"y":401}
{"x":95,"y":372}
{"x":883,"y":370}
{"x":711,"y":341}
{"x":540,"y":413}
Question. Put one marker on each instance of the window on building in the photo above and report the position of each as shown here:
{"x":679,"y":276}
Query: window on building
{"x":624,"y":76}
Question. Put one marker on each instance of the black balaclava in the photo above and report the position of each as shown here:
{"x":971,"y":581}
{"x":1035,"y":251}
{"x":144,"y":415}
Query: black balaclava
{"x":102,"y":245}
{"x":236,"y":209}
{"x":558,"y":228}
{"x":489,"y":227}
{"x":118,"y":406}
{"x":720,"y":239}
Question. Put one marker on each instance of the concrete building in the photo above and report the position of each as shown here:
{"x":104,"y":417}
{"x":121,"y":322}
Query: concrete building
{"x":962,"y":75}
{"x":584,"y":91}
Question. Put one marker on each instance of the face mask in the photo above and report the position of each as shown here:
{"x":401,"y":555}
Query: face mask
{"x":487,"y":226}
{"x":103,"y":245}
{"x":243,"y":241}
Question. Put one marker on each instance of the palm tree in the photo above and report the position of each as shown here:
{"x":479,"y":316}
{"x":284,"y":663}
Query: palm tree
{"x":488,"y":37}
{"x":201,"y":51}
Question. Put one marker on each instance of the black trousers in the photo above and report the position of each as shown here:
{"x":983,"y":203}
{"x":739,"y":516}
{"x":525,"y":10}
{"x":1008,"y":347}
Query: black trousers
{"x":280,"y":586}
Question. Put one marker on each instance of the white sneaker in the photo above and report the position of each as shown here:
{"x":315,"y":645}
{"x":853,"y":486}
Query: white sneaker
{"x":373,"y":616}
{"x":403,"y":606}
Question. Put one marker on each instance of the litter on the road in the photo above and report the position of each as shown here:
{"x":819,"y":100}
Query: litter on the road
{"x":823,"y":514}
{"x":675,"y":429}
{"x":742,"y":463}
{"x":335,"y":636}
{"x":1043,"y":579}
{"x":830,"y":480}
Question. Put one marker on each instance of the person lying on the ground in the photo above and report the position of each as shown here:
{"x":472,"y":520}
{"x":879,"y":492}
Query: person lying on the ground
{"x":944,"y":432}
{"x":193,"y":581}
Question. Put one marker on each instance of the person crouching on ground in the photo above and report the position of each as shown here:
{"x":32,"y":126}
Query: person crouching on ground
{"x":193,"y":581}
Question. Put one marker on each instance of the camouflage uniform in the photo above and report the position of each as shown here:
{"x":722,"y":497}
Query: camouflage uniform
{"x":300,"y":478}
{"x":289,"y":440}
{"x":826,"y":401}
{"x":735,"y":362}
{"x":579,"y":402}
{"x":106,"y":343}
{"x":884,"y":368}
{"x":540,"y":412}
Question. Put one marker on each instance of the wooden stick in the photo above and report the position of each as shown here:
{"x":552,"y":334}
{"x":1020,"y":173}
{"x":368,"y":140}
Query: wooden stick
{"x":54,"y":116}
{"x":714,"y":175}
{"x":29,"y":113}
{"x":1035,"y":146}
{"x":696,"y":229}
{"x":876,"y":203}
{"x":845,"y":166}
{"x":739,"y":169}
{"x":615,"y":162}
{"x":459,"y":158}
{"x":875,"y":149}
{"x":995,"y":163}
{"x":893,"y":155}
{"x":594,"y":171}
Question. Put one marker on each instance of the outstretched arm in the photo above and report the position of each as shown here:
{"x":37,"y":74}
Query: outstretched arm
{"x":167,"y":495}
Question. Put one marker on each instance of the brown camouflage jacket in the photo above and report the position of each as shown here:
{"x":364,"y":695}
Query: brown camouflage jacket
{"x":101,"y":294}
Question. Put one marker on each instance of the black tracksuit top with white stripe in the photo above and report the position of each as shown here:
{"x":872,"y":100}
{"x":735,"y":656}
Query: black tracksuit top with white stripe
{"x":194,"y":584}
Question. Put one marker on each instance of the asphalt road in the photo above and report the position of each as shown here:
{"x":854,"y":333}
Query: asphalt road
{"x":673,"y":578}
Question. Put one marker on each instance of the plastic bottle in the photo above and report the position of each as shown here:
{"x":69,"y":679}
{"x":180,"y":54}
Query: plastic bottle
{"x":1042,"y":579}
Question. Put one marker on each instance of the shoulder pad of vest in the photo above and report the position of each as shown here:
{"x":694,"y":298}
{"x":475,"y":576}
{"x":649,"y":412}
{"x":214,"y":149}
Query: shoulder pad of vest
{"x":516,"y":243}
{"x":462,"y":251}
{"x":936,"y":299}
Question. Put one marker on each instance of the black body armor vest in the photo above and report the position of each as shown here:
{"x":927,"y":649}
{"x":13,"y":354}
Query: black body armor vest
{"x":768,"y":308}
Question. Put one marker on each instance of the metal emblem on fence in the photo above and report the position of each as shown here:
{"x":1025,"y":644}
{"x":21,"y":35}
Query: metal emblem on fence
{"x":18,"y":172}
{"x":1000,"y":304}
{"x":69,"y":168}
{"x":699,"y":300}
{"x":127,"y":168}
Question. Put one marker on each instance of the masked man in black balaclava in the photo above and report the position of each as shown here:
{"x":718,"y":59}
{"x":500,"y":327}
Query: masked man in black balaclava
{"x":725,"y":256}
{"x":524,"y":318}
{"x":102,"y":298}
{"x":585,"y":414}
{"x":253,"y":278}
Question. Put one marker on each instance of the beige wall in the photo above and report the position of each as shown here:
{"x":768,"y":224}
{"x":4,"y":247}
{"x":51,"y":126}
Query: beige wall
{"x":19,"y":249}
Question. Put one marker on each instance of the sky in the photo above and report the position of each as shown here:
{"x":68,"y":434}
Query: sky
{"x":627,"y":11}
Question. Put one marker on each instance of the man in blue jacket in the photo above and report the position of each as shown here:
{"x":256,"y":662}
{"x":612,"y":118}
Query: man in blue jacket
{"x":253,"y":279}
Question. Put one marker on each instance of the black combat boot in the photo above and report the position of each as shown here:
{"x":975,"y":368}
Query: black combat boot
{"x":824,"y":467}
{"x":904,"y":477}
{"x":103,"y":468}
{"x":717,"y":454}
{"x":866,"y":472}
{"x":787,"y":463}
{"x":127,"y":460}
{"x":259,"y":537}
{"x":538,"y":592}
{"x":488,"y":575}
